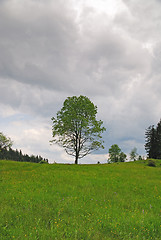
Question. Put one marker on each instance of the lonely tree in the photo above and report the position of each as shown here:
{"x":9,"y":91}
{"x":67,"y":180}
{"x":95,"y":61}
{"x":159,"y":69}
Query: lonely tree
{"x":76,"y":129}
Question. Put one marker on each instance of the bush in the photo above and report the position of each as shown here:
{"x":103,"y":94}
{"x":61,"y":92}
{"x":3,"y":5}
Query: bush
{"x":43,"y":161}
{"x":151,"y":163}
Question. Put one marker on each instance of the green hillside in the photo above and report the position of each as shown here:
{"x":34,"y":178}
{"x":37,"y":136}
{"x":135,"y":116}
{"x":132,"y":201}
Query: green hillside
{"x":110,"y":201}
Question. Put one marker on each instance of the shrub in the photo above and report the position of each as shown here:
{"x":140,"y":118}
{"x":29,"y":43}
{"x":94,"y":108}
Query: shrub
{"x":151,"y":163}
{"x":43,"y":161}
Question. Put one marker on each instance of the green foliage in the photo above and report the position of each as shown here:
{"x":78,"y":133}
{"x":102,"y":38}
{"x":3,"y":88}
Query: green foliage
{"x":5,"y":142}
{"x":133,"y":154}
{"x":122,"y":157}
{"x":153,"y":141}
{"x":101,"y":201}
{"x":150,"y":142}
{"x":151,"y":163}
{"x":16,"y":155}
{"x":76,"y":129}
{"x":115,"y":154}
{"x":43,"y":161}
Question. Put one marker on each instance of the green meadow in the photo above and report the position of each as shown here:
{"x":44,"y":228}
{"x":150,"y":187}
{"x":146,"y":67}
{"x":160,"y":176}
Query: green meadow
{"x":86,"y":202}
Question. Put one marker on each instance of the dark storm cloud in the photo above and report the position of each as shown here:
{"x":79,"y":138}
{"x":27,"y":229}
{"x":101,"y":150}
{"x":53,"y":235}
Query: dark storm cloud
{"x":41,"y":44}
{"x":36,"y":43}
{"x":30,"y":100}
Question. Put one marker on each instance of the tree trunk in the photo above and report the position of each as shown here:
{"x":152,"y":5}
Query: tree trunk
{"x":76,"y":149}
{"x":76,"y":158}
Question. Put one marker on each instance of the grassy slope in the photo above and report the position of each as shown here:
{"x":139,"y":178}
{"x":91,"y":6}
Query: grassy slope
{"x":113,"y":201}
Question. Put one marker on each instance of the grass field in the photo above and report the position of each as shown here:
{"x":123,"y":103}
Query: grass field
{"x":110,"y":201}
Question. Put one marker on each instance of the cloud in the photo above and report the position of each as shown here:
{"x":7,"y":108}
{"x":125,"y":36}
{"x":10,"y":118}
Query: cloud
{"x":36,"y":40}
{"x":45,"y":48}
{"x":140,"y":19}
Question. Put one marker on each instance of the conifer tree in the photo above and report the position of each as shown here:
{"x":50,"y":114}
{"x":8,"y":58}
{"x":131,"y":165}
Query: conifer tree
{"x":153,"y":141}
{"x":158,"y":140}
{"x":150,"y":142}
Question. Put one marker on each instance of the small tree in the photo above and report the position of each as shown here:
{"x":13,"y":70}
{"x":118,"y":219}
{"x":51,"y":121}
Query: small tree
{"x":122,"y":157}
{"x":133,"y":154}
{"x":5,"y":142}
{"x":114,"y":153}
{"x":76,"y":129}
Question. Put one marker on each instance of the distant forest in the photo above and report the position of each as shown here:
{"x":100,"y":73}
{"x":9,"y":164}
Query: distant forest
{"x":16,"y":155}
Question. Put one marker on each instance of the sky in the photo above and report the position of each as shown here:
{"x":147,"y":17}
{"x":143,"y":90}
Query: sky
{"x":107,"y":50}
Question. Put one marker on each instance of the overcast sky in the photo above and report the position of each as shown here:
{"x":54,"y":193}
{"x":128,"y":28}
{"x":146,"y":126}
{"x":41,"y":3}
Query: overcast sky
{"x":107,"y":50}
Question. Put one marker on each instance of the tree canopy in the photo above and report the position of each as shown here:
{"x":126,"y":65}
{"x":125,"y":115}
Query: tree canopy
{"x":115,"y":154}
{"x":76,"y":129}
{"x":5,"y":142}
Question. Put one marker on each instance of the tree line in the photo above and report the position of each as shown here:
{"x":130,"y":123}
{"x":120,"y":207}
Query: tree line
{"x":7,"y":153}
{"x":116,"y":154}
{"x":15,"y":155}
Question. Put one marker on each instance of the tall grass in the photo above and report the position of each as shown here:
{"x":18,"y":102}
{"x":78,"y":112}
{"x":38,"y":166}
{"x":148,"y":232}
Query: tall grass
{"x":111,"y":201}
